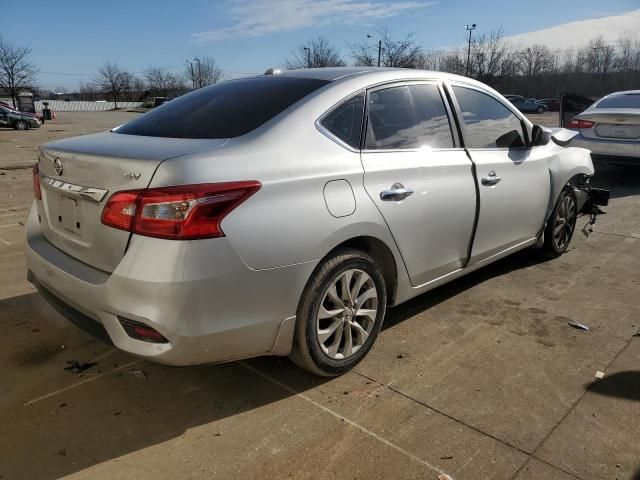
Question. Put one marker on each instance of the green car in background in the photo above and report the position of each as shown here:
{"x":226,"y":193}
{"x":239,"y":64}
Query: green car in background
{"x":10,"y":118}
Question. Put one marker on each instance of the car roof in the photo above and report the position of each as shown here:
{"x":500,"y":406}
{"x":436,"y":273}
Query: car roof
{"x":330,"y":73}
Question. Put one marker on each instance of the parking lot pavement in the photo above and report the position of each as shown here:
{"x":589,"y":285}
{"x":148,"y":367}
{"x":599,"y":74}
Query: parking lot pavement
{"x":482,"y":378}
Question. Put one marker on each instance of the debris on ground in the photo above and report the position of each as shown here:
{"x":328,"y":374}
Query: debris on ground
{"x":637,"y":334}
{"x":77,"y":367}
{"x":138,"y":374}
{"x":63,"y":452}
{"x":400,"y":355}
{"x":578,"y":325}
{"x":599,"y":375}
{"x":448,"y":457}
{"x":444,"y":476}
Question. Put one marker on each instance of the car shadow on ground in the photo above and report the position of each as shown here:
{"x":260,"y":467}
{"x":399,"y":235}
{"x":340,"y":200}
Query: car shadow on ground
{"x":622,"y":180}
{"x":621,"y":385}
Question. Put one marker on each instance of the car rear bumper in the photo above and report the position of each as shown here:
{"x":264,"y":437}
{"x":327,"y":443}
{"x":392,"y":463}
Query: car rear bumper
{"x":199,"y":295}
{"x":604,"y":148}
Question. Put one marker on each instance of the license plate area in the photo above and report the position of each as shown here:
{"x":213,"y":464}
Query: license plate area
{"x":66,"y":215}
{"x":626,"y":132}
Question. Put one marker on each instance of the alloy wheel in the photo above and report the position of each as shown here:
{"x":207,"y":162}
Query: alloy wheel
{"x":564,"y":223}
{"x":347,"y":314}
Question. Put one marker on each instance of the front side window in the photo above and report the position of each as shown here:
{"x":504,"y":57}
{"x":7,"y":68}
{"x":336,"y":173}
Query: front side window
{"x":407,"y":117}
{"x":345,"y":121}
{"x":225,"y":110}
{"x":489,"y":123}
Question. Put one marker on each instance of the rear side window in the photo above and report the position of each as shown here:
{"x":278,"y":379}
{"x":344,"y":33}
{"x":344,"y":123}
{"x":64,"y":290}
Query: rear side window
{"x":345,"y":120}
{"x":488,"y":123}
{"x":228,"y":109}
{"x":407,"y":117}
{"x":627,"y":100}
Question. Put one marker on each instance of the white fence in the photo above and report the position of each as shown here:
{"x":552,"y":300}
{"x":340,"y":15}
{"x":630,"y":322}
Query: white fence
{"x":77,"y":106}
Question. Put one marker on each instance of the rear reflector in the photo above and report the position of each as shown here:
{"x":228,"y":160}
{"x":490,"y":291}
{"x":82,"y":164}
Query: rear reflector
{"x":576,"y":123}
{"x":142,"y":332}
{"x":37,"y":192}
{"x":183,"y":212}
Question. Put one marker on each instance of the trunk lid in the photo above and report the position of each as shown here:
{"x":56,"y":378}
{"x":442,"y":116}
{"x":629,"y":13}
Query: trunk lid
{"x":612,"y":123}
{"x":79,"y":174}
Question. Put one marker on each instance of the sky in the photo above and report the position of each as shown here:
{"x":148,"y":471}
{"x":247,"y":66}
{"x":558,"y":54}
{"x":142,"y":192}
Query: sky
{"x":75,"y":37}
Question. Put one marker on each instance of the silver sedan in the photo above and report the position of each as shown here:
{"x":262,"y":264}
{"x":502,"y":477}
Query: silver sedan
{"x":610,"y":128}
{"x":283,"y":214}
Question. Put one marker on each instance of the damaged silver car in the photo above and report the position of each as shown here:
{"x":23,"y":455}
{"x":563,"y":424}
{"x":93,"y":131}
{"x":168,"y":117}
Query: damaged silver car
{"x":283,"y":214}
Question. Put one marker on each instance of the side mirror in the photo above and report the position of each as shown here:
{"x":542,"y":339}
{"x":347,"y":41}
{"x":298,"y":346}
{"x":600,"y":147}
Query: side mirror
{"x":512,"y":139}
{"x":540,"y":136}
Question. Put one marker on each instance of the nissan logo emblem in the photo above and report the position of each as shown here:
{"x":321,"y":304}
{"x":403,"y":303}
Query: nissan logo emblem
{"x":57,"y":166}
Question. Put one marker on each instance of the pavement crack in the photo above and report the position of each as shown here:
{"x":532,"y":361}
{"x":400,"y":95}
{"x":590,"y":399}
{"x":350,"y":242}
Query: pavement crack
{"x":476,"y":429}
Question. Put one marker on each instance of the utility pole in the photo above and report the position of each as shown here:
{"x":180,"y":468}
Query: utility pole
{"x":199,"y":73}
{"x":469,"y":29}
{"x":308,"y":50}
{"x":193,"y":78}
{"x":379,"y":48}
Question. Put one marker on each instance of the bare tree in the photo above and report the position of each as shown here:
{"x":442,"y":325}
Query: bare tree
{"x":491,"y":58}
{"x":161,"y":81}
{"x":113,"y":80}
{"x":16,"y":71}
{"x":535,"y":60}
{"x":86,"y":91}
{"x":317,"y":53}
{"x":203,"y":71}
{"x":599,"y":56}
{"x":402,"y":52}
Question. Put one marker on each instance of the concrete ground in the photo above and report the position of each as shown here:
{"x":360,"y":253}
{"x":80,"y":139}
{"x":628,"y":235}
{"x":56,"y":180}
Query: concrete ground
{"x":480,"y":379}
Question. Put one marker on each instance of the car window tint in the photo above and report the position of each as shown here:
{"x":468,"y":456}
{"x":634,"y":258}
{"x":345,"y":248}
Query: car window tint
{"x":411,"y":116}
{"x":628,"y":100}
{"x":225,"y":110}
{"x":345,"y":120}
{"x":489,"y":123}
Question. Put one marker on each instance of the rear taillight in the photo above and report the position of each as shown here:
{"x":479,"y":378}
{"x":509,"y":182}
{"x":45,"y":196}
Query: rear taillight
{"x":37,"y":192}
{"x":579,"y":124}
{"x":184,"y":212}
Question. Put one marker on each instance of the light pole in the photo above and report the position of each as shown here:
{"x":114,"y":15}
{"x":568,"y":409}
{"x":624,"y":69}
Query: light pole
{"x":379,"y":48}
{"x":308,"y":50}
{"x":199,"y":73}
{"x":469,"y":29}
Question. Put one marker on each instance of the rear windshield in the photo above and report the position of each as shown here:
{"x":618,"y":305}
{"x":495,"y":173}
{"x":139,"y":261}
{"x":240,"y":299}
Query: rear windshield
{"x":629,"y":100}
{"x":228,"y":109}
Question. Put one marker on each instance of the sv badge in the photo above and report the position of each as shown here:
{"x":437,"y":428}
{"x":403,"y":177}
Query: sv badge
{"x":132,"y":176}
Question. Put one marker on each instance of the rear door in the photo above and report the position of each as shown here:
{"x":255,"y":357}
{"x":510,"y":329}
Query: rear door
{"x":513,"y":179}
{"x":419,"y":177}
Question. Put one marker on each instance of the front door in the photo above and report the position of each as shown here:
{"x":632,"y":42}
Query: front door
{"x":513,"y":179}
{"x":4,"y":118}
{"x":419,"y":178}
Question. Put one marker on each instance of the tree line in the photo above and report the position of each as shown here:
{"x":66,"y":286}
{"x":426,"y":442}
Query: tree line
{"x":593,"y":70}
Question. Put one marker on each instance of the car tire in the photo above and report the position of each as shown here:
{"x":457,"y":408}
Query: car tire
{"x":21,"y":125}
{"x":540,"y":109}
{"x":337,"y":326}
{"x":561,"y":224}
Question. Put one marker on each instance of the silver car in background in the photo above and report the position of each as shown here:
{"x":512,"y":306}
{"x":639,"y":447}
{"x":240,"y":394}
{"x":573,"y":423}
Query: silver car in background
{"x":282,"y":214}
{"x":610,"y":128}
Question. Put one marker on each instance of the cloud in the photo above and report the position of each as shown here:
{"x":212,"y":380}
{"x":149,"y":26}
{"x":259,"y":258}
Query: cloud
{"x":577,"y":34}
{"x":261,"y":17}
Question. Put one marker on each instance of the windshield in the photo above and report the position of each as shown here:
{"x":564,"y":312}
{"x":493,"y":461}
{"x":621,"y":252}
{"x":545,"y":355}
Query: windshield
{"x":225,"y":110}
{"x":626,"y":100}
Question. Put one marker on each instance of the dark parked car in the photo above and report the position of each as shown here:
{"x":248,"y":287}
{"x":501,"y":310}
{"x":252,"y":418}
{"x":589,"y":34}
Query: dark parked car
{"x":528,"y":105}
{"x":11,"y":118}
{"x":553,"y":104}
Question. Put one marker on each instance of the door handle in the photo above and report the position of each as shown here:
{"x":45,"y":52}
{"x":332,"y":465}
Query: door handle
{"x":491,"y":179}
{"x":396,"y":193}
